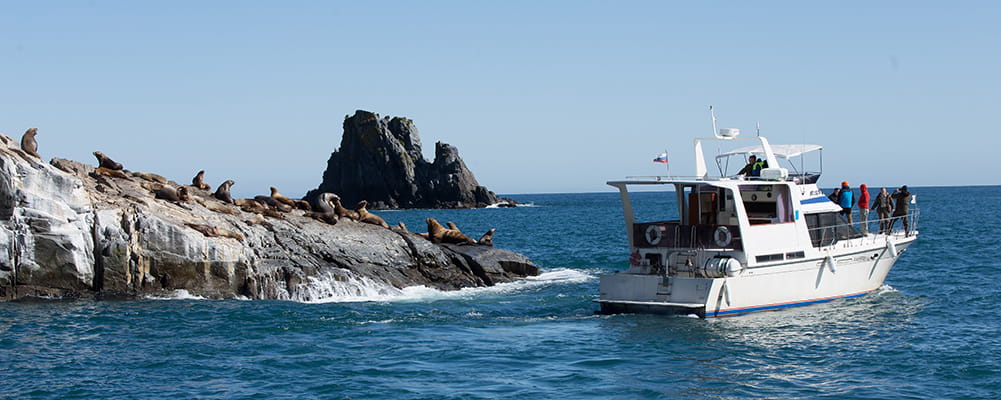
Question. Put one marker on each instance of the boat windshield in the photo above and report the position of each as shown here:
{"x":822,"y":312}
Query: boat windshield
{"x":803,"y":167}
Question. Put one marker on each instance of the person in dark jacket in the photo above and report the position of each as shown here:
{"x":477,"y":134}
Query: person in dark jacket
{"x":903,"y":199}
{"x":883,"y":205}
{"x":746,"y":171}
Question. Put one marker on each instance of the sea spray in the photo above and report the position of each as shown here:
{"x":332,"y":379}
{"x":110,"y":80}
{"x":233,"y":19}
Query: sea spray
{"x":344,"y":286}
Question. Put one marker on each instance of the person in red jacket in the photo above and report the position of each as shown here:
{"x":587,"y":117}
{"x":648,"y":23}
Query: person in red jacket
{"x":863,"y":208}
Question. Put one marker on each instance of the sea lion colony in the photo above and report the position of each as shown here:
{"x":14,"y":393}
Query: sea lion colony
{"x":327,"y":207}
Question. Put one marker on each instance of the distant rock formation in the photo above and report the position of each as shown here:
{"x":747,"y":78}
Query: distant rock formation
{"x":380,"y":161}
{"x":67,"y":231}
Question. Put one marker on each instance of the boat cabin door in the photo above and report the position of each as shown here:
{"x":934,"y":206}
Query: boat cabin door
{"x":704,"y":205}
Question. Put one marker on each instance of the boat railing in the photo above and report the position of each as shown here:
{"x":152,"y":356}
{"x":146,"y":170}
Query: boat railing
{"x":874,"y":230}
{"x":798,"y":178}
{"x":672,"y":234}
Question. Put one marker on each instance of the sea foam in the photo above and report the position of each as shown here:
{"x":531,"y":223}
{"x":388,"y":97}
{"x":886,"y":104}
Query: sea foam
{"x":361,"y":289}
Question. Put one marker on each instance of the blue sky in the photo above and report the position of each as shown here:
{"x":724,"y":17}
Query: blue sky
{"x":539,"y":96}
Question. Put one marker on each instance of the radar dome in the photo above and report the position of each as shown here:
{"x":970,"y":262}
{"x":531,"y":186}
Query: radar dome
{"x":729,"y":132}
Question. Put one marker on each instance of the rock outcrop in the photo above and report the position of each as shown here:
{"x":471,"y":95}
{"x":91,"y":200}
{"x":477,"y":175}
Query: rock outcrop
{"x":380,"y":160}
{"x":66,"y":230}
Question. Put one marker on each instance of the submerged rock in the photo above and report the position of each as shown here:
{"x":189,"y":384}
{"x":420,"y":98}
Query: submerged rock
{"x":67,"y":231}
{"x":380,"y":161}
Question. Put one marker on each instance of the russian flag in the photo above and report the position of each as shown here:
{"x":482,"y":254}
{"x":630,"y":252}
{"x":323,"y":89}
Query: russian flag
{"x":662,"y":158}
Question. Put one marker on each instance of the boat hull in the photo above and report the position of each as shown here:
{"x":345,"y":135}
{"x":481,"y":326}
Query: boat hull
{"x":856,"y":271}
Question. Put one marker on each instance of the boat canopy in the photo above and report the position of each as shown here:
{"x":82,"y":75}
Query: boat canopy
{"x":785,"y":151}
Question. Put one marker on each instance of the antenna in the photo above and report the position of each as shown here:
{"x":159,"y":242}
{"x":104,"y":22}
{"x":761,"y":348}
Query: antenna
{"x":757,"y":127}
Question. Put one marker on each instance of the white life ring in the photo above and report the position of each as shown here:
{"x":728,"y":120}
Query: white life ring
{"x":653,"y":235}
{"x":722,"y":236}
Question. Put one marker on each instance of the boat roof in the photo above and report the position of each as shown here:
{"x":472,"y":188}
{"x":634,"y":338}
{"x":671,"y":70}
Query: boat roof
{"x":690,"y":180}
{"x":785,"y":151}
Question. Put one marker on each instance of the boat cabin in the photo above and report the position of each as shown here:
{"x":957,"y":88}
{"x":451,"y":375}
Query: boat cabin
{"x":755,"y":219}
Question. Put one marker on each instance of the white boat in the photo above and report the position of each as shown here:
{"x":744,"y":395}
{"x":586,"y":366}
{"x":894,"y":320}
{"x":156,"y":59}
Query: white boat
{"x":739,"y":245}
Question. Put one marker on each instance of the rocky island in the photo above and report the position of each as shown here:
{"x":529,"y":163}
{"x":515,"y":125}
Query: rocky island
{"x":380,"y":161}
{"x":70,"y":230}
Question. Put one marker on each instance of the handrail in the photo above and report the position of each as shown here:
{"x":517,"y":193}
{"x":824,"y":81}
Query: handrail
{"x":831,"y":234}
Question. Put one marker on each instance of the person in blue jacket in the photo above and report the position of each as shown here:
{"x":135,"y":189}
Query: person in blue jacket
{"x":846,"y":199}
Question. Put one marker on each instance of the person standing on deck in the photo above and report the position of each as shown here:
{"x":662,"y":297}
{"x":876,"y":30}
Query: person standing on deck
{"x":863,"y":208}
{"x":884,"y":206}
{"x":846,"y":199}
{"x":903,"y":199}
{"x":834,"y":196}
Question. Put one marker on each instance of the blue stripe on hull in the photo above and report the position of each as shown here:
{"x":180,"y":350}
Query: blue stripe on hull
{"x":769,"y":307}
{"x":820,"y":199}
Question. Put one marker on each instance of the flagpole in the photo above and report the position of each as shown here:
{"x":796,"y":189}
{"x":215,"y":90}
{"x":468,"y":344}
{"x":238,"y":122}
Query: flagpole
{"x":668,"y":164}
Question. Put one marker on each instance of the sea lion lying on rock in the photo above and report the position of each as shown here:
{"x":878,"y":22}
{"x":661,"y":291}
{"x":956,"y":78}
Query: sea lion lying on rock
{"x":179,"y":195}
{"x":303,"y":205}
{"x":324,"y":203}
{"x":365,"y":216}
{"x":199,"y":181}
{"x":106,"y":162}
{"x":215,"y":206}
{"x":339,"y":209}
{"x":272,"y":203}
{"x":222,"y":192}
{"x":212,"y":231}
{"x":150,"y":177}
{"x":440,"y":234}
{"x":282,"y":199}
{"x":109,"y":172}
{"x":256,"y":207}
{"x":330,"y":218}
{"x":28,"y":143}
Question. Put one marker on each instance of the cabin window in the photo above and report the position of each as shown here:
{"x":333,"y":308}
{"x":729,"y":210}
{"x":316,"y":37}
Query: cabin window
{"x":827,"y":228}
{"x":767,"y":204}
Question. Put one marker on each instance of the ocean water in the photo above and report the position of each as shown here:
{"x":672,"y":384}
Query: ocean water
{"x":931,"y":332}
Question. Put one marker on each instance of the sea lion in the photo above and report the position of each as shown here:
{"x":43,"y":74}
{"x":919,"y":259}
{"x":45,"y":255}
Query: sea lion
{"x":272,"y":203}
{"x":222,"y":192}
{"x":330,"y":218}
{"x":215,"y":206}
{"x":257,"y":219}
{"x":365,"y":216}
{"x":451,"y":225}
{"x":109,"y":172}
{"x":440,"y":234}
{"x":324,"y":203}
{"x":211,"y":231}
{"x":403,"y":227}
{"x":179,"y":195}
{"x":254,"y":206}
{"x":105,"y":162}
{"x":339,"y":209}
{"x":199,"y":181}
{"x":149,"y":176}
{"x":488,"y":238}
{"x":303,"y":205}
{"x":28,"y":143}
{"x":282,"y":199}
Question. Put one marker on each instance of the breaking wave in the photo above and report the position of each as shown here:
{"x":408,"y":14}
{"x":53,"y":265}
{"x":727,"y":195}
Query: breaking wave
{"x":341,"y":289}
{"x":179,"y":294}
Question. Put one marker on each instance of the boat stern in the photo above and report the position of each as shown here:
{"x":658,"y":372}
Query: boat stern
{"x":653,"y":294}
